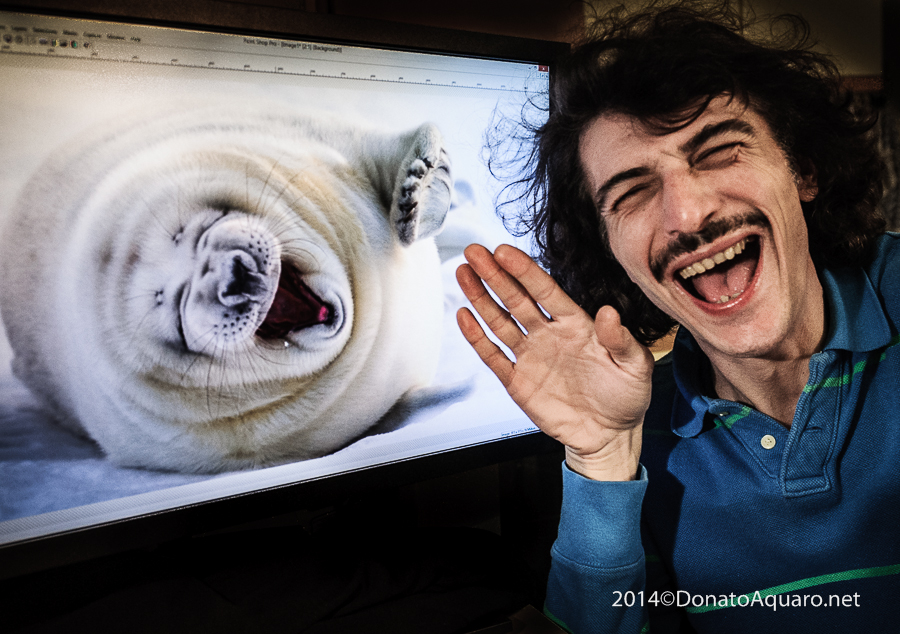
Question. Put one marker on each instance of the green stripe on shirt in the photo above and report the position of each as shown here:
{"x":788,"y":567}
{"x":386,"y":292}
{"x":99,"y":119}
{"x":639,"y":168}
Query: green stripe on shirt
{"x":861,"y":573}
{"x":838,"y":381}
{"x":550,"y":616}
{"x":731,"y":419}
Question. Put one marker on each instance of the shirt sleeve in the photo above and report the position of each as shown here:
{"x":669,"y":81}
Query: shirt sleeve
{"x":598,"y":567}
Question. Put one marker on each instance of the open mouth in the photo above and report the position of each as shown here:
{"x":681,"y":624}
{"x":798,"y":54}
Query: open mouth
{"x":724,"y":276}
{"x":295,"y":307}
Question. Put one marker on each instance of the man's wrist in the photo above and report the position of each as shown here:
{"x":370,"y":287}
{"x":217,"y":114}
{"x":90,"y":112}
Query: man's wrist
{"x":619,"y":460}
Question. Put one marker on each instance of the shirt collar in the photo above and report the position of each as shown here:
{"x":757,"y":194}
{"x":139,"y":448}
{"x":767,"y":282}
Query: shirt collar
{"x":855,"y":315}
{"x":855,"y":321}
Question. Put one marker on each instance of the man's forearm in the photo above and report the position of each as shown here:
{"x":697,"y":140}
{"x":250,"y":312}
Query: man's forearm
{"x":598,"y":557}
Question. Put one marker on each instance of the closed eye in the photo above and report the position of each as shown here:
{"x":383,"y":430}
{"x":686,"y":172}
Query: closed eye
{"x":628,"y":194}
{"x":718,"y":156}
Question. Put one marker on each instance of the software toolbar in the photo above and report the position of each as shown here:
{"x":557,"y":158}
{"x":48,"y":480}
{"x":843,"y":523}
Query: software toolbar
{"x":113,"y":42}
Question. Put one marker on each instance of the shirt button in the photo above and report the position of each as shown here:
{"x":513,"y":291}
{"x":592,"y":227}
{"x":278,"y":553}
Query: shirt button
{"x":767,"y":441}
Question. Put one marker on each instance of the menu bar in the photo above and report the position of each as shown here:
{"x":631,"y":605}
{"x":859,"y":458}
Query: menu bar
{"x":66,"y":37}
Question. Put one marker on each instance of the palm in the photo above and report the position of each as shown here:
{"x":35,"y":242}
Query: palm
{"x":579,"y":381}
{"x":568,"y":384}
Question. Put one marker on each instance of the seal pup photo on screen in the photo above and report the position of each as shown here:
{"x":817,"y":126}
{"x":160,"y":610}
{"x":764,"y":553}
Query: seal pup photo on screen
{"x":227,"y":288}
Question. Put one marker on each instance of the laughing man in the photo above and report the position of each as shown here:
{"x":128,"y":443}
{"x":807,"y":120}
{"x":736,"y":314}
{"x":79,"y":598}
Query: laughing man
{"x":751,"y":481}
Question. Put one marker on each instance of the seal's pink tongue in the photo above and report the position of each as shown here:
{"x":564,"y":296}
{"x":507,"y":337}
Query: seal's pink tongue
{"x":295,"y":306}
{"x":725,"y":281}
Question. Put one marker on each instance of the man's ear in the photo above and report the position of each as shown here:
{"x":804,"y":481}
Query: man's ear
{"x":807,"y":183}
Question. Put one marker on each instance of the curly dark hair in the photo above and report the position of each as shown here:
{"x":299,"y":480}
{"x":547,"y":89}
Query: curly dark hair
{"x":657,"y":66}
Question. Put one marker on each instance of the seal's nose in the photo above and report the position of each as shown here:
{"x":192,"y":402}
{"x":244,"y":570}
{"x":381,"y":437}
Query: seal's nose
{"x":237,"y":265}
{"x":240,"y":281}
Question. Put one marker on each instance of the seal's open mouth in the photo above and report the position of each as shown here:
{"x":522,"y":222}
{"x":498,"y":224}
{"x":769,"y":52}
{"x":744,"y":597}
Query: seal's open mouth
{"x":724,"y":276}
{"x":295,"y":307}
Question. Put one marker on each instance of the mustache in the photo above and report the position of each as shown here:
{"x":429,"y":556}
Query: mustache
{"x":687,"y":242}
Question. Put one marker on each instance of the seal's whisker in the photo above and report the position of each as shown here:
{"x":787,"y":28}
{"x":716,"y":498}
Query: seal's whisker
{"x":195,"y":358}
{"x":261,"y":353}
{"x":209,"y":371}
{"x":219,"y":390}
{"x":249,"y":365}
{"x":200,"y":353}
{"x":285,"y":227}
{"x":271,"y":354}
{"x":298,"y":248}
{"x":137,"y":327}
{"x":144,"y":295}
{"x":265,"y":185}
{"x":151,"y":211}
{"x":285,"y":222}
{"x":277,"y":196}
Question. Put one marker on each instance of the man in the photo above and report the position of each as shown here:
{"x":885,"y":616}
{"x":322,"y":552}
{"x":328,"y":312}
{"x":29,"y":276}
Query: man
{"x":750,"y":484}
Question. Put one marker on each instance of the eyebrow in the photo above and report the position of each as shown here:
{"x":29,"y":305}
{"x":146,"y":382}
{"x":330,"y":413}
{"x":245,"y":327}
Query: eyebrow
{"x":603,"y":190}
{"x":712,"y":130}
{"x":690,"y":146}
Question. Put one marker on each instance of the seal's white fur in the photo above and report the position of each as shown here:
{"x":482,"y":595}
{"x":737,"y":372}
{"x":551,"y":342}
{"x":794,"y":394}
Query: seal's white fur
{"x":118,"y":278}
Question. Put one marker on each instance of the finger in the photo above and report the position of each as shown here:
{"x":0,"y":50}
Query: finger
{"x":495,"y":317}
{"x":536,"y":282}
{"x":489,"y":352}
{"x":513,"y":295}
{"x":622,"y":347}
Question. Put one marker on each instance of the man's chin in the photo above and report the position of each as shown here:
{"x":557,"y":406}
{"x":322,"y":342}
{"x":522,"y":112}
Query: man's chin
{"x":758,"y":339}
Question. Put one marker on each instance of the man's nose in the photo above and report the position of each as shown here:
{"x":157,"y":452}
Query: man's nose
{"x":688,"y":202}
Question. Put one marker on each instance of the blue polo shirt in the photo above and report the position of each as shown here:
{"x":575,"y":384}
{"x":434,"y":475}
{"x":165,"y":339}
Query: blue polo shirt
{"x":740,"y":524}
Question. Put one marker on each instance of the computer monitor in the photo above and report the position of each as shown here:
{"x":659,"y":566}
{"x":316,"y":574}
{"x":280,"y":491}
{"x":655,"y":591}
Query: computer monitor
{"x":229,"y":257}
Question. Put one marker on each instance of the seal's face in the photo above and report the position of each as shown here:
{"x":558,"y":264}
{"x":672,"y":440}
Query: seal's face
{"x":224,"y":279}
{"x":228,"y":276}
{"x":233,"y":292}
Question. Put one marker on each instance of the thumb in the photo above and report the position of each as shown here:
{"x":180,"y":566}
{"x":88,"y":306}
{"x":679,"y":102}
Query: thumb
{"x":622,"y":347}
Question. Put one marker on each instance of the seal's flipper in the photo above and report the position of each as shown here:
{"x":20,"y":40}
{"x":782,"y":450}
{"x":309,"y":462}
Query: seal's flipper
{"x":423,"y":188}
{"x":412,"y":174}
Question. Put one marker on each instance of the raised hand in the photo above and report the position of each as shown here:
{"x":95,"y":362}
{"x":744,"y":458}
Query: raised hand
{"x":585,"y":382}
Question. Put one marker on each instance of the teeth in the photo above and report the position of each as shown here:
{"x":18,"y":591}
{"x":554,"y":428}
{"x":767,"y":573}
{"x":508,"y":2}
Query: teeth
{"x":707,"y":263}
{"x":726,"y":298}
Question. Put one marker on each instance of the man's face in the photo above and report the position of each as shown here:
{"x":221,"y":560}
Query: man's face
{"x":707,"y":222}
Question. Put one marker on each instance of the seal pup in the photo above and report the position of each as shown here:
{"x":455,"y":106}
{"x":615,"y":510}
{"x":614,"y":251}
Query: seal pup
{"x":211,"y":289}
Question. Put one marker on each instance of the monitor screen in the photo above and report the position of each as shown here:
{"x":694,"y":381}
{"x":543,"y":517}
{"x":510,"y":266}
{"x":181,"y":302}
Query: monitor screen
{"x":229,"y":263}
